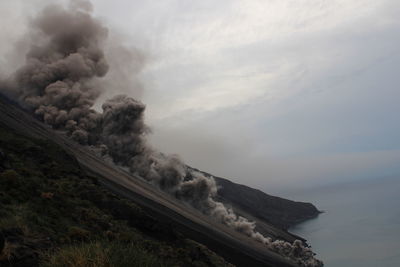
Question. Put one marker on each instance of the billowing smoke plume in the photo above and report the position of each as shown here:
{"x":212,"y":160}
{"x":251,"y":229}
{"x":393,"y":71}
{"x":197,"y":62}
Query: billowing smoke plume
{"x":56,"y":83}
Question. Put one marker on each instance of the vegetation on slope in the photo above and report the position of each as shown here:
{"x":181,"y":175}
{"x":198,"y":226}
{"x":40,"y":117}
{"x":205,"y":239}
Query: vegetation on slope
{"x":53,"y":214}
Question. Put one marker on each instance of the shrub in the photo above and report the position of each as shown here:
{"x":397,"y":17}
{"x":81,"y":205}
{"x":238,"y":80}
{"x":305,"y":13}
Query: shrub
{"x":77,"y":233}
{"x":47,"y":195}
{"x":9,"y":178}
{"x":102,"y":254}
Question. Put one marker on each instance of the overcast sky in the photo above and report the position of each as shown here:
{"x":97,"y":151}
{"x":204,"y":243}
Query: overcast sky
{"x":278,"y":94}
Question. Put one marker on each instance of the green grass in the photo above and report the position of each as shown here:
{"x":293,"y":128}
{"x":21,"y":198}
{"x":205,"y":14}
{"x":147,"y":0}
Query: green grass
{"x":66,"y":218}
{"x":103,"y":254}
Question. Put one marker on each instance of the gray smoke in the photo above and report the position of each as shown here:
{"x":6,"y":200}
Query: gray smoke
{"x":55,"y":80}
{"x":123,"y":129}
{"x":124,"y":135}
{"x":57,"y":84}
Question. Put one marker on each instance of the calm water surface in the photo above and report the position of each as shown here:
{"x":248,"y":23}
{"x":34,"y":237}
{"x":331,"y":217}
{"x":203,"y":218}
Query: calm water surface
{"x":360,"y":226}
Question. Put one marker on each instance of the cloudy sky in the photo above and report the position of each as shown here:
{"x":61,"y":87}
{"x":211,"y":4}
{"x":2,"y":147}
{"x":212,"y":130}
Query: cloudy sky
{"x":277,"y":94}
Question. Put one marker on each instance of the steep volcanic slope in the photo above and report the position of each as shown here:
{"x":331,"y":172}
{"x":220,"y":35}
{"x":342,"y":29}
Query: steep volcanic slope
{"x":59,"y":82}
{"x":273,"y":215}
{"x":228,"y":243}
{"x":41,"y":186}
{"x":280,"y":212}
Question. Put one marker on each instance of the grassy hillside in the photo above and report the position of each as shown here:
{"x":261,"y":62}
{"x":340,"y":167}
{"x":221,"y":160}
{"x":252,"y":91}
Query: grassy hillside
{"x":53,"y":214}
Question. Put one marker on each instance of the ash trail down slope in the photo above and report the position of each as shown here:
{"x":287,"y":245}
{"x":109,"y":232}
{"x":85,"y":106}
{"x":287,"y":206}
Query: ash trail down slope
{"x":273,"y":215}
{"x":41,"y":186}
{"x":235,"y":247}
{"x":56,"y":84}
{"x":280,"y":212}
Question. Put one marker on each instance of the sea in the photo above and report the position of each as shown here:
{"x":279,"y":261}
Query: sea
{"x":360,"y":226}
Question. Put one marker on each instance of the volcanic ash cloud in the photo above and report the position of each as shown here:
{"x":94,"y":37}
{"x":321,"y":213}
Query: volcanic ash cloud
{"x":58,"y":85}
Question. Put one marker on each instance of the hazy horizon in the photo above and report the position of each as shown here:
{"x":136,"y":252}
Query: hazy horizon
{"x":359,"y":226}
{"x":279,"y":95}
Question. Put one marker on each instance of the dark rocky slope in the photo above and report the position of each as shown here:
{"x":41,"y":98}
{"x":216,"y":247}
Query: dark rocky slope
{"x":273,"y":215}
{"x":52,"y":213}
{"x":279,"y":212}
{"x":231,"y":245}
